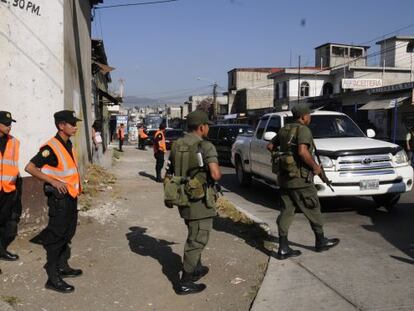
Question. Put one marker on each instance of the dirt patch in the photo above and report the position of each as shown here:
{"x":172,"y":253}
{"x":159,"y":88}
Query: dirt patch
{"x":97,"y":180}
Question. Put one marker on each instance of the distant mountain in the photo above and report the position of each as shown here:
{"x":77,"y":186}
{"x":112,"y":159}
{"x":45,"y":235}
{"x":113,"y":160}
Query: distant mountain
{"x":133,"y":101}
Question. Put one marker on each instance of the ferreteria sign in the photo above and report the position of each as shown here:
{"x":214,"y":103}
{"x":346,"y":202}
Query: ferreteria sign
{"x":392,"y":88}
{"x":360,"y":84}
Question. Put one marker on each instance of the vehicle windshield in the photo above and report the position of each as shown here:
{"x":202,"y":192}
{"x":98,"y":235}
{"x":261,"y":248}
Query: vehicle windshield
{"x":332,"y":126}
{"x":174,"y":133}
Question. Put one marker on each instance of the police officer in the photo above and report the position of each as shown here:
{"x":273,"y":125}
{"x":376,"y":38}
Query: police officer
{"x":197,"y":215}
{"x":142,"y":137}
{"x":56,"y":165}
{"x":297,"y":166}
{"x":160,"y":148}
{"x":10,"y":182}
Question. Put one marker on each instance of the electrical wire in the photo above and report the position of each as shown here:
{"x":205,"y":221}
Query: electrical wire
{"x":135,"y":4}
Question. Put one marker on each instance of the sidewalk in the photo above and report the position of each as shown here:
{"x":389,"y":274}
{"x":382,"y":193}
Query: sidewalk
{"x":130,"y":246}
{"x":362,"y":273}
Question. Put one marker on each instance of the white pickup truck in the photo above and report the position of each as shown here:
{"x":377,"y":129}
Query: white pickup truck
{"x":356,"y":164}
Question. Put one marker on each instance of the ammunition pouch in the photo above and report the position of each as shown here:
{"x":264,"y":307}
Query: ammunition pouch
{"x":275,"y":162}
{"x":212,"y":195}
{"x":174,"y":192}
{"x":194,"y":189}
{"x":288,"y":164}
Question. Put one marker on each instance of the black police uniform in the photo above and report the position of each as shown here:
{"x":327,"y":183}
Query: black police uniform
{"x":10,"y":212}
{"x":63,"y":217}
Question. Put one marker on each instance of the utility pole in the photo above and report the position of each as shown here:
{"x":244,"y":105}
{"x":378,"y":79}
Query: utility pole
{"x":215,"y":101}
{"x":299,"y":80}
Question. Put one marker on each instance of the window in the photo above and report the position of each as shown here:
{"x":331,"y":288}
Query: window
{"x":212,"y":133}
{"x":222,"y":133}
{"x":327,"y":89}
{"x":284,"y":90}
{"x":304,"y":89}
{"x":339,"y":51}
{"x":354,"y":52}
{"x":274,"y":124}
{"x":261,"y":127}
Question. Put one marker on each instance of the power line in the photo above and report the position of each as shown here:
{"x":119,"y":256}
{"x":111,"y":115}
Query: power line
{"x":387,"y":34}
{"x":135,"y":4}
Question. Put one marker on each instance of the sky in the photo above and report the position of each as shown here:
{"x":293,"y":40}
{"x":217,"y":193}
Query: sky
{"x":161,"y":50}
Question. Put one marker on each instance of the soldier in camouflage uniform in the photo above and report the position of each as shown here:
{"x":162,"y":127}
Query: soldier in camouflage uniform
{"x":297,"y":168}
{"x":198,"y":212}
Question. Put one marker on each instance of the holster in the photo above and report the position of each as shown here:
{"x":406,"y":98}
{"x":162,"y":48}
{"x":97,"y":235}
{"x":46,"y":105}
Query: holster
{"x":49,"y":191}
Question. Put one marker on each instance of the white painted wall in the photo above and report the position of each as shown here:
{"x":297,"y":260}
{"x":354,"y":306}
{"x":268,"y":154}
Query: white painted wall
{"x":315,"y":86}
{"x":31,"y":63}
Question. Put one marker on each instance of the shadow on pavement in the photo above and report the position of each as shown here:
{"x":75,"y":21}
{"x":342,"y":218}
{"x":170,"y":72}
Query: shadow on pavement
{"x":257,"y":192}
{"x":145,"y":174}
{"x":145,"y":245}
{"x":395,"y":227}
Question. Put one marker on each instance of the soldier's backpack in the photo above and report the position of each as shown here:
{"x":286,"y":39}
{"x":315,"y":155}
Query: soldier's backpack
{"x":188,"y":184}
{"x":284,"y":160}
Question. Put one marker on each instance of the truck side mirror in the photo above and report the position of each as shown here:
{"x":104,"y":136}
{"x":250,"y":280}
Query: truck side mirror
{"x":371,"y":133}
{"x":268,"y":136}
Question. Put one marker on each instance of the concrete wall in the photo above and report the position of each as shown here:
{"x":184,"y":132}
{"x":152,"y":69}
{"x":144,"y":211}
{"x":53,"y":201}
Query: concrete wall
{"x":252,"y":79}
{"x":77,"y":72}
{"x":40,"y":47}
{"x":259,"y":98}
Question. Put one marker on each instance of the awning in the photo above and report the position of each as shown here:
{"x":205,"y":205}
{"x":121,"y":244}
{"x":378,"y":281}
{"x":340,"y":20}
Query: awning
{"x":112,"y":100}
{"x":384,"y":104}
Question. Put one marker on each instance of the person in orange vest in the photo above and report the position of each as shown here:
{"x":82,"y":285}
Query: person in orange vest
{"x":56,"y":165}
{"x":160,"y":149}
{"x":121,"y":136}
{"x":142,"y":136}
{"x":10,"y":194}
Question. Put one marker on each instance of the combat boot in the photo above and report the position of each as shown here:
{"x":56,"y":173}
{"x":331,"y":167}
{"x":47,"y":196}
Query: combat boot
{"x":323,"y":244}
{"x":55,"y":282}
{"x":6,"y":255}
{"x":69,"y":272}
{"x":187,"y":285}
{"x":284,"y":250}
{"x":199,"y":272}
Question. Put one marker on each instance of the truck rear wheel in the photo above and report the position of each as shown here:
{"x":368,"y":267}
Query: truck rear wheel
{"x":244,"y":179}
{"x":388,"y":200}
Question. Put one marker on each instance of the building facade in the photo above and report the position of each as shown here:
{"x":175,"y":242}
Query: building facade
{"x":46,"y":67}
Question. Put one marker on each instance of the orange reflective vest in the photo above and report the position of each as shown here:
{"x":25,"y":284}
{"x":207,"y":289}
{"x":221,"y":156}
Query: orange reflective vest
{"x":121,"y":133}
{"x":67,"y":168}
{"x":9,"y":165}
{"x":142,"y":134}
{"x":161,"y":146}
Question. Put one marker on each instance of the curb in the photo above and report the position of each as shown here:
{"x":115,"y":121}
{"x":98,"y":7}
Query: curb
{"x":258,"y":222}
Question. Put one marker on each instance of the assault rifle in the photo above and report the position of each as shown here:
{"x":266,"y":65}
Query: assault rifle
{"x":323,"y":176}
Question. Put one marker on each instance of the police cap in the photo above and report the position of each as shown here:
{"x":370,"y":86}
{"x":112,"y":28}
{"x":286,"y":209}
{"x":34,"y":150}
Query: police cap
{"x":66,"y":116}
{"x":6,"y":118}
{"x":198,"y":117}
{"x":300,"y":110}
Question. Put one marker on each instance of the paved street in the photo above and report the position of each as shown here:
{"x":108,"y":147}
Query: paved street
{"x":129,"y":246}
{"x":371,"y":269}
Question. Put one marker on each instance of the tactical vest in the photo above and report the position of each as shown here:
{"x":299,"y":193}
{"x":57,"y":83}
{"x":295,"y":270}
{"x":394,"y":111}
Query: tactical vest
{"x":290,"y":164}
{"x":9,"y":165}
{"x":189,"y":183}
{"x":67,"y":169}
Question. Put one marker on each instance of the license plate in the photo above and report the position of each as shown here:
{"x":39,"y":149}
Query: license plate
{"x":371,"y":184}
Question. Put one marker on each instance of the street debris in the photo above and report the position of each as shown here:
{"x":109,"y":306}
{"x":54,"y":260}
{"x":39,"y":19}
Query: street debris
{"x":104,"y":213}
{"x":226,"y":209}
{"x":237,"y":280}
